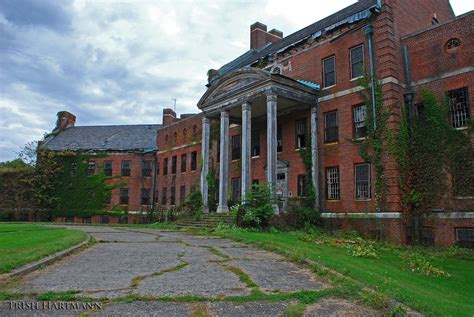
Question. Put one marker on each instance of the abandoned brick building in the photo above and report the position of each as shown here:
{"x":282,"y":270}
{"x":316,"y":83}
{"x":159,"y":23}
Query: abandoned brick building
{"x":302,"y":91}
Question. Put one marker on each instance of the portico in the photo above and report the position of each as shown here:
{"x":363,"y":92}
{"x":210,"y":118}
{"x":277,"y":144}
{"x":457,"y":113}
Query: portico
{"x":240,"y":97}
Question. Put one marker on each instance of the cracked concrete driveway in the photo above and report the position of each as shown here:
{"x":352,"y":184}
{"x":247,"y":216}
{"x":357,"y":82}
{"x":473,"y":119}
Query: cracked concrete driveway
{"x":155,"y":265}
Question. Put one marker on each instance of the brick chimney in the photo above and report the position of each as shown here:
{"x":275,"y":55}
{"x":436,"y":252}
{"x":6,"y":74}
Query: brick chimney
{"x":65,"y":120}
{"x":169,"y":117}
{"x":259,"y":36}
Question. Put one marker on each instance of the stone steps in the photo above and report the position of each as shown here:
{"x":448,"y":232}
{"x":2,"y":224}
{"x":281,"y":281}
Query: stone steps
{"x":206,"y":221}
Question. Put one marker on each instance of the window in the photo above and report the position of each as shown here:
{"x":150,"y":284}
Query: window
{"x":357,"y":61}
{"x":145,"y":196}
{"x":165,"y":166}
{"x":69,"y":219}
{"x":195,"y":133}
{"x":359,"y":115}
{"x":146,"y":168}
{"x":183,"y":163}
{"x":300,"y":133}
{"x":235,"y":189}
{"x":465,"y":237}
{"x":123,"y":196}
{"x":302,"y":186}
{"x":87,"y":220}
{"x":331,"y":128}
{"x":90,"y":168}
{"x":362,"y":181}
{"x":157,"y":168}
{"x":255,"y":142}
{"x":452,"y":44}
{"x":175,"y":138}
{"x":73,"y":168}
{"x":126,"y":165}
{"x":182,"y":194}
{"x":279,"y":142}
{"x":459,"y":111}
{"x":163,"y":196}
{"x":173,"y":196}
{"x":236,"y":150}
{"x":174,"y":160}
{"x":108,"y":168}
{"x":194,"y":156}
{"x":329,"y":71}
{"x":332,"y":183}
{"x":105,"y":219}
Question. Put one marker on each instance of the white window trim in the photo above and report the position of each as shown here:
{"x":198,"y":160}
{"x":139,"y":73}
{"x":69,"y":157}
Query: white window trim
{"x":350,"y":60}
{"x":324,"y":72}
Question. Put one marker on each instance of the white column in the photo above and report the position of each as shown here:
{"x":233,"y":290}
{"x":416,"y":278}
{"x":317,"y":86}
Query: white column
{"x":272,"y":144}
{"x":314,"y":154}
{"x":224,"y":163}
{"x":246,"y":148}
{"x":205,"y":157}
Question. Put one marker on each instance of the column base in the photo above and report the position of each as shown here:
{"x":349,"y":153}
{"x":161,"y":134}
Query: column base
{"x":205,"y":209}
{"x":222,"y":209}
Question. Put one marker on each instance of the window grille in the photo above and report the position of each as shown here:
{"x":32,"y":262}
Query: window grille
{"x":145,"y":197}
{"x":126,"y":165}
{"x":360,"y":117}
{"x":90,"y":168}
{"x":453,"y":43}
{"x":332,"y":183}
{"x":124,"y":196}
{"x":255,"y":142}
{"x":300,"y":133}
{"x":357,"y":61}
{"x":236,"y":147}
{"x":183,"y":163}
{"x":331,"y":130}
{"x":329,"y":68}
{"x":362,"y":181}
{"x":108,"y":168}
{"x":459,"y":107}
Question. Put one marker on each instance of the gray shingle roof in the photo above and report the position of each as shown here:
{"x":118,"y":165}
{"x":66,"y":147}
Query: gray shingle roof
{"x":105,"y":138}
{"x":334,"y":20}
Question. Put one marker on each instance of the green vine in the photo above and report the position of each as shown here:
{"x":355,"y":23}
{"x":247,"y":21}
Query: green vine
{"x":373,"y":148}
{"x":306,"y":158}
{"x":211,"y":180}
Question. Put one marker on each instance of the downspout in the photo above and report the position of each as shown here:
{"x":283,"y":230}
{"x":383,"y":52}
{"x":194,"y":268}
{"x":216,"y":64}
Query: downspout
{"x":369,"y":30}
{"x":153,"y":185}
{"x":409,"y":96}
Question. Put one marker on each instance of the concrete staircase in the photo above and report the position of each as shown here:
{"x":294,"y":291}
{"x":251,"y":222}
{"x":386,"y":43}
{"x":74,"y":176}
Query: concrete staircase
{"x":210,"y":220}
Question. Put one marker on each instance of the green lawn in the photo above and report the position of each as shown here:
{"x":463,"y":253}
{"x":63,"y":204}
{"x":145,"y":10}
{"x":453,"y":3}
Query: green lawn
{"x":24,"y":243}
{"x":388,"y":273}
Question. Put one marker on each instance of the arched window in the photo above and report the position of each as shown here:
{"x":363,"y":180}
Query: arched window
{"x":451,"y":44}
{"x":175,"y":138}
{"x":166,"y":139}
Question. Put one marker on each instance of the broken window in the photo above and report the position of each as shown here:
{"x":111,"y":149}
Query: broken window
{"x":359,"y":114}
{"x":362,"y":181}
{"x":300,"y":133}
{"x":459,"y":111}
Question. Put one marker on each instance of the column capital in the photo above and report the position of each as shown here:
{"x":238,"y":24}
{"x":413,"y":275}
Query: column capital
{"x":271,"y":97}
{"x":205,"y":119}
{"x":246,"y":106}
{"x":224,"y":114}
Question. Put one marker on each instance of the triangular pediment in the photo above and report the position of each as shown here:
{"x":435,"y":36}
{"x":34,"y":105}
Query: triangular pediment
{"x":232,"y":83}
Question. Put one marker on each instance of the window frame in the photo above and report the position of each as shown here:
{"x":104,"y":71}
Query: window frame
{"x":194,"y":158}
{"x":123,"y":168}
{"x":301,"y":185}
{"x":236,"y":146}
{"x":124,"y":199}
{"x":146,"y":172}
{"x":279,"y":138}
{"x":466,"y":106}
{"x":90,"y":168}
{"x":354,"y":128}
{"x":143,"y":196}
{"x":182,"y":194}
{"x":164,"y":193}
{"x":325,"y":85}
{"x":236,"y":192}
{"x":165,"y":166}
{"x":255,"y":143}
{"x":368,"y":181}
{"x":337,"y":190}
{"x":297,"y":135}
{"x":351,"y":62}
{"x":108,"y":171}
{"x":336,"y":127}
{"x":174,"y":164}
{"x":183,"y":163}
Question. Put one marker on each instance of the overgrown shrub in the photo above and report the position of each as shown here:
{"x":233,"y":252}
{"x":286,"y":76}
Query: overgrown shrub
{"x":256,"y":209}
{"x":418,"y":263}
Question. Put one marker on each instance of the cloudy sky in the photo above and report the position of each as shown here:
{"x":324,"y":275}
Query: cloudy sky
{"x":122,"y":62}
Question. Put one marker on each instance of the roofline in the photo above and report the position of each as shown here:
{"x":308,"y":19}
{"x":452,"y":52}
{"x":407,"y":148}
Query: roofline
{"x":116,"y":125}
{"x":431,"y":27}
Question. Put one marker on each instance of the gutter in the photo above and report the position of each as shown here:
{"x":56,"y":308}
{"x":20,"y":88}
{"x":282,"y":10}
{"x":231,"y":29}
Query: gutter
{"x":369,"y":30}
